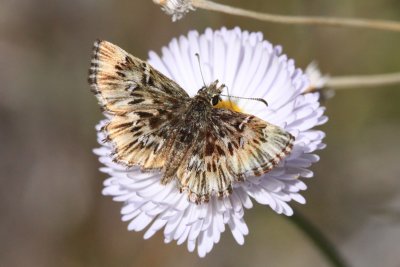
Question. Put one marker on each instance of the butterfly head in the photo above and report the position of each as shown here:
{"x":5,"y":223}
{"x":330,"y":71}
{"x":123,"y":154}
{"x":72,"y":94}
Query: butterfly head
{"x":212,"y":93}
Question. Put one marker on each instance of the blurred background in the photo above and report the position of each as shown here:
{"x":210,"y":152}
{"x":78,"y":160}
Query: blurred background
{"x":52,"y":211}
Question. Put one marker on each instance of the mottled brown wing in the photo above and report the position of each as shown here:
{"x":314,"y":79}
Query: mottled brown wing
{"x":142,"y":102}
{"x":115,"y":76}
{"x":232,"y":147}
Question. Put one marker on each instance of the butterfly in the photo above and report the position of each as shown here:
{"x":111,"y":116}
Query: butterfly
{"x":154,"y":124}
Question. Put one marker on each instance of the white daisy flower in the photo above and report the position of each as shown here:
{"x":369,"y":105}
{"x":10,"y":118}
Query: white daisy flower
{"x":250,"y":67}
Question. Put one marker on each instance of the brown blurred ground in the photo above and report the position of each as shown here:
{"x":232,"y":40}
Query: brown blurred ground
{"x":52,"y":211}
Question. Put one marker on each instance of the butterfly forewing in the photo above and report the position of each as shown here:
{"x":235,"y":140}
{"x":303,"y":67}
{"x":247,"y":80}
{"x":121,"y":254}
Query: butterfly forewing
{"x":143,"y":103}
{"x":231,"y":147}
{"x":115,"y":77}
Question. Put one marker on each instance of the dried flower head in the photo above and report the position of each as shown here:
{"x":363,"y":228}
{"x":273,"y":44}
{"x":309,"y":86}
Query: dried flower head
{"x":318,"y":81}
{"x":175,"y":8}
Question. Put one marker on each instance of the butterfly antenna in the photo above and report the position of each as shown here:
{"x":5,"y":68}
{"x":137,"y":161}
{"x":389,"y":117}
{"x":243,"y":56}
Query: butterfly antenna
{"x":229,"y":96}
{"x":249,"y":98}
{"x":201,"y":71}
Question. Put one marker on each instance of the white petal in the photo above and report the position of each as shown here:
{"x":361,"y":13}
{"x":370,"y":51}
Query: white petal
{"x":140,"y":222}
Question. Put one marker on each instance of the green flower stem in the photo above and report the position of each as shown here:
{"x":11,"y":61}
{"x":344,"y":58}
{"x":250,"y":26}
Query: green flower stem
{"x":321,"y":242}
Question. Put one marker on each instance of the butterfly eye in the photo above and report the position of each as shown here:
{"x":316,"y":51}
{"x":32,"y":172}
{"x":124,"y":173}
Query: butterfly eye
{"x":215,"y":99}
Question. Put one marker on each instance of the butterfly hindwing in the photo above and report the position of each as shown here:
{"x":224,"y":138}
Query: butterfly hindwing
{"x":254,"y":145}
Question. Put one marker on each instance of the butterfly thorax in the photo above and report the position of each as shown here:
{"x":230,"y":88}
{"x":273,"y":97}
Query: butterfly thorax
{"x":192,"y":128}
{"x":210,"y":94}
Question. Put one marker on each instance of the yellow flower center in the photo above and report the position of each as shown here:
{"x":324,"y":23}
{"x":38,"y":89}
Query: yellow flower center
{"x":228,"y":105}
